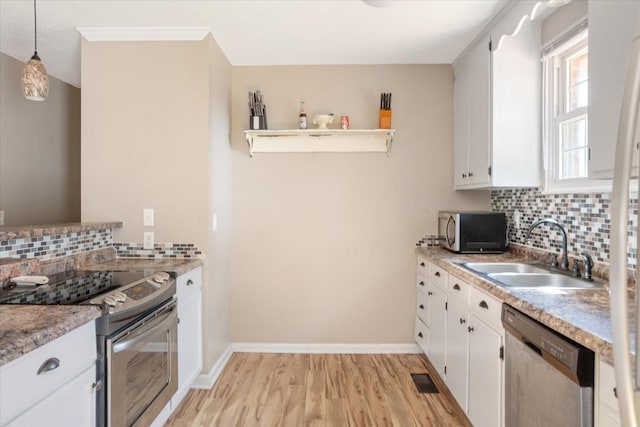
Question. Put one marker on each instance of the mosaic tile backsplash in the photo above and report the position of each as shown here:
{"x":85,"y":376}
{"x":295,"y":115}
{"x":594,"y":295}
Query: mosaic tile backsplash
{"x":57,"y":245}
{"x":160,"y":250}
{"x":585,"y":217}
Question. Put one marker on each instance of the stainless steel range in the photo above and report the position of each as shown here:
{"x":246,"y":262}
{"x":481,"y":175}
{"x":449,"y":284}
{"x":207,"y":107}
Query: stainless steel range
{"x":136,"y":337}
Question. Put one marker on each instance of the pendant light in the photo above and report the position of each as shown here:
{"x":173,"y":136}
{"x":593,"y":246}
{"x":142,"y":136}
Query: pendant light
{"x":35,"y":82}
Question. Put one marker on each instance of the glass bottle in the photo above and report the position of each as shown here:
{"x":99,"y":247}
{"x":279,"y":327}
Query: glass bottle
{"x":302,"y":120}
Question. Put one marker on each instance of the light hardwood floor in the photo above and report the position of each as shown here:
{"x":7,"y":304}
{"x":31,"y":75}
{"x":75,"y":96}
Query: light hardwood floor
{"x":333,"y":390}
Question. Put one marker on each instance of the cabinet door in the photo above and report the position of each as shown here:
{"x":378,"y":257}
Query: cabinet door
{"x":611,"y":27}
{"x":461,"y":123}
{"x":189,"y":332}
{"x":457,"y":350}
{"x":74,"y":404}
{"x":485,"y":375}
{"x":479,"y":112}
{"x":437,"y":328}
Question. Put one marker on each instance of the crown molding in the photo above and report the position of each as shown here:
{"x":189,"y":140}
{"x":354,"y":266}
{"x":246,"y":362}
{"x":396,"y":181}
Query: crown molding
{"x":111,"y":34}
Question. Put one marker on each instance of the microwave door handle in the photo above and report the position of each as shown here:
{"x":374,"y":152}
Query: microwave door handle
{"x":450,"y":242}
{"x":144,"y":331}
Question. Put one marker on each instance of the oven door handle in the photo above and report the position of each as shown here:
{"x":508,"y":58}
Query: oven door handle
{"x":145,"y":328}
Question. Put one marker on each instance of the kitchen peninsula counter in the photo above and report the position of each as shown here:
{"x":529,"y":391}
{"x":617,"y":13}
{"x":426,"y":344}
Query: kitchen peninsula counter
{"x":579,"y":314}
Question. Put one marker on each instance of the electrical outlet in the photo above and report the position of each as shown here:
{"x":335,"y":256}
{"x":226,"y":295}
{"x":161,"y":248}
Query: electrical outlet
{"x":1,"y":217}
{"x":147,"y":243}
{"x":215,"y":222}
{"x":147,"y":217}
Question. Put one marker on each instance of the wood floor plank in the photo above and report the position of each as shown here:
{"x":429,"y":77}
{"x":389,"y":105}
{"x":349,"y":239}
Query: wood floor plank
{"x":327,"y":390}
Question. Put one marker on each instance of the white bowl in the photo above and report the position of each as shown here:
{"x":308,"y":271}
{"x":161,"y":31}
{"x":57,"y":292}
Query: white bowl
{"x":322,"y":120}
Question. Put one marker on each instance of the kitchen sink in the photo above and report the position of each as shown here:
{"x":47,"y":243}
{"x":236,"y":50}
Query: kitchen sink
{"x":542,"y":280}
{"x":523,"y":275}
{"x":504,"y":267}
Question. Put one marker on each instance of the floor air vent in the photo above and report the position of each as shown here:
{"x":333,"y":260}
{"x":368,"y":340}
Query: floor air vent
{"x":424,"y":384}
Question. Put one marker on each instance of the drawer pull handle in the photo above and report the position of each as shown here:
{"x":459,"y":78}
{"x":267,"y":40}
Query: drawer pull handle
{"x":470,"y":329}
{"x":483,"y":304}
{"x":422,"y":264}
{"x":456,"y":287}
{"x":49,"y":365}
{"x":420,"y":334}
{"x":429,"y":293}
{"x":437,"y":274}
{"x":189,"y":282}
{"x":463,"y":321}
{"x":421,"y":307}
{"x":615,"y":392}
{"x":421,"y":283}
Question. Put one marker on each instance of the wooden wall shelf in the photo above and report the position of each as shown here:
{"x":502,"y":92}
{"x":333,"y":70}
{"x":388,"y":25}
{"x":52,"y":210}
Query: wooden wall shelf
{"x":320,"y":141}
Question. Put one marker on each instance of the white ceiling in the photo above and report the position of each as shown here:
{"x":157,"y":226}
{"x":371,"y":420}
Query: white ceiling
{"x":259,"y":32}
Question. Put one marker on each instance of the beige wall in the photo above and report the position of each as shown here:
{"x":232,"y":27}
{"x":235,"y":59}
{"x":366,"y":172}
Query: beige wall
{"x":39,"y":151}
{"x":154,"y":135}
{"x":323,"y":244}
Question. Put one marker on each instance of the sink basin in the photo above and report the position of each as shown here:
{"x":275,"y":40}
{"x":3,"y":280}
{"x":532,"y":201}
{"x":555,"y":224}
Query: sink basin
{"x":522,"y":275}
{"x":504,"y":267}
{"x":541,"y":280}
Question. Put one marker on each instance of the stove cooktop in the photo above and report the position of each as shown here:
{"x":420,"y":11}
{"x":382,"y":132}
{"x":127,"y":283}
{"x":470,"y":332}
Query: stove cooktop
{"x":70,"y":287}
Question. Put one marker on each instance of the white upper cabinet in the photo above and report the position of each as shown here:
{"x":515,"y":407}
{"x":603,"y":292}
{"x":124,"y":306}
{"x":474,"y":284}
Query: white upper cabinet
{"x":497,"y":103}
{"x":611,"y":26}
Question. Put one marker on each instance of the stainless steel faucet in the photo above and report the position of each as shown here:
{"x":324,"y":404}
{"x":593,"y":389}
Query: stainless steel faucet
{"x":564,"y":264}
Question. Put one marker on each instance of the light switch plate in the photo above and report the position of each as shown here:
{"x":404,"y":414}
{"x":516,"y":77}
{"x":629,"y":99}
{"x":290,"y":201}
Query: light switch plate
{"x":215,"y":222}
{"x":148,"y":240}
{"x":147,"y":217}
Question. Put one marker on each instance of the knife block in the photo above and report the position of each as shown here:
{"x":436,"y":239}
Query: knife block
{"x":385,"y":119}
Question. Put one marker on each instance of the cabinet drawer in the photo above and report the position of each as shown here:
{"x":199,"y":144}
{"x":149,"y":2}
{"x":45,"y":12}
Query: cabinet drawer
{"x":22,"y":387}
{"x":423,"y":267}
{"x":421,"y":307}
{"x":459,"y":289}
{"x":486,"y":307}
{"x":422,"y":335}
{"x":189,"y":284}
{"x":606,"y":386}
{"x":438,"y":276}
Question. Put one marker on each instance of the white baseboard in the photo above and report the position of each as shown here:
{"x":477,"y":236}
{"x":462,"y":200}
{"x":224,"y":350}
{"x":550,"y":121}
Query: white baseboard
{"x":249,"y":347}
{"x":206,"y":381}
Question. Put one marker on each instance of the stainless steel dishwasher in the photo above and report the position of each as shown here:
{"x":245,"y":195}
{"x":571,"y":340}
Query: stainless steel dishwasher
{"x":548,"y":377}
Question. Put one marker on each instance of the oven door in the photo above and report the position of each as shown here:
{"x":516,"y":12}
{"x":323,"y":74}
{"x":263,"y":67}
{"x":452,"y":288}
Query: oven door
{"x":142,"y":369}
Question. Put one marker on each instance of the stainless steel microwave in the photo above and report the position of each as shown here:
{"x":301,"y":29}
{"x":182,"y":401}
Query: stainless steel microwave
{"x":473,"y":232}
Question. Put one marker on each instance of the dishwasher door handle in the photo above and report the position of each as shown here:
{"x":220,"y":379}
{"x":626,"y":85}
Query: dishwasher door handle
{"x":533,"y":347}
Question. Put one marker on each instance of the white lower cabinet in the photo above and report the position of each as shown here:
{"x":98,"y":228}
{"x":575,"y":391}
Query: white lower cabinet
{"x":465,"y":345}
{"x":608,"y":414}
{"x":189,"y":291}
{"x":53,"y":385}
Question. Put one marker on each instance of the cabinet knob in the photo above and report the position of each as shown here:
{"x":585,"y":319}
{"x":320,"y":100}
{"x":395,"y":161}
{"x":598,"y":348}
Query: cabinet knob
{"x":470,"y":329}
{"x":420,"y":334}
{"x":429,"y":293}
{"x":189,"y":282}
{"x":437,"y":274}
{"x":422,"y":264}
{"x":615,"y":392}
{"x":464,"y":175}
{"x":97,"y":386}
{"x":483,"y":304}
{"x":49,"y":365}
{"x":421,"y":283}
{"x":421,"y":306}
{"x":456,"y":287}
{"x":463,"y":321}
{"x":470,"y":174}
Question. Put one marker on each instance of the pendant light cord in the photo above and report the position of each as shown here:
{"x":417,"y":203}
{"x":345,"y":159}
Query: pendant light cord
{"x":35,"y":28}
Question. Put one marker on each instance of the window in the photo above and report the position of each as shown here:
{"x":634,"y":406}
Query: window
{"x":566,"y":117}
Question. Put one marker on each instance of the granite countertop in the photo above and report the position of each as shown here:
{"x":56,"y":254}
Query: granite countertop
{"x":580,"y":314}
{"x":26,"y":327}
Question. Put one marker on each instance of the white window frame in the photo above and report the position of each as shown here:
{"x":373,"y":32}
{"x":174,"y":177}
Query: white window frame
{"x":567,"y":44}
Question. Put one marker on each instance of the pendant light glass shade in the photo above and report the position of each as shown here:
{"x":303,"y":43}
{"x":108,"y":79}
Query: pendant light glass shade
{"x":35,"y":82}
